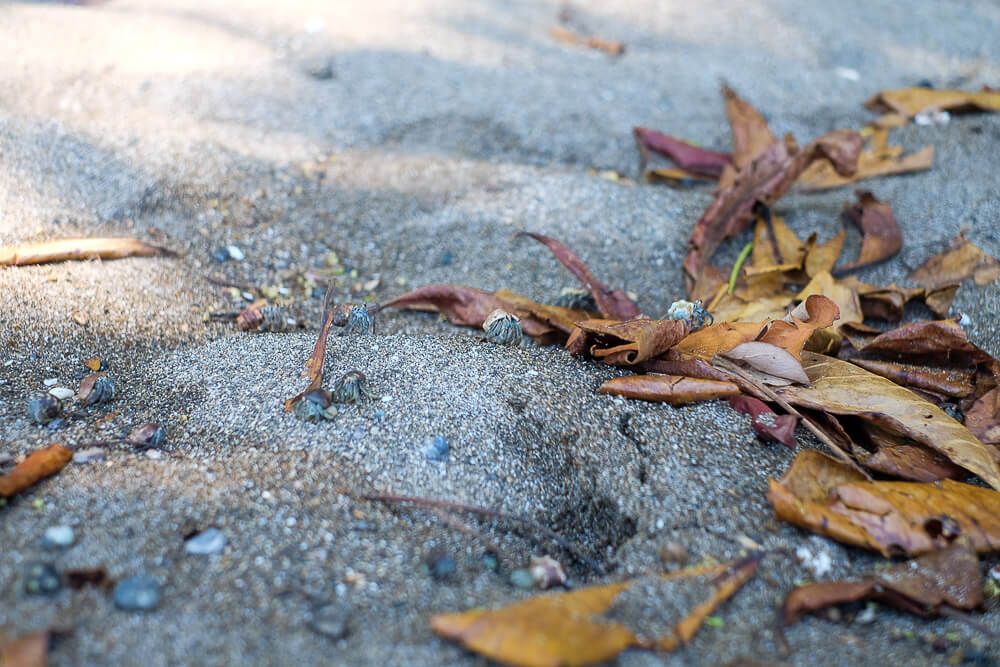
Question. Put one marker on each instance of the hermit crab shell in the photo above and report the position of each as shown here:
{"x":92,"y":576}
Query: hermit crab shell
{"x":503,"y":328}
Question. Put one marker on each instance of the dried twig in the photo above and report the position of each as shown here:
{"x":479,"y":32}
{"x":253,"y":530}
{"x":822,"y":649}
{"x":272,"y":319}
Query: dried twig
{"x":39,"y":465}
{"x":454,"y":522}
{"x":64,"y":250}
{"x":448,"y":505}
{"x":608,"y":46}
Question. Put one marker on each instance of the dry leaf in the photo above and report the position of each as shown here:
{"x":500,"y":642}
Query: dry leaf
{"x":774,"y":365}
{"x":949,"y":577}
{"x":66,"y":250}
{"x":825,"y":496}
{"x":766,"y":423}
{"x":676,"y":176}
{"x":900,"y":457}
{"x":881,"y":237}
{"x":983,"y":417}
{"x":707,"y":342}
{"x":952,"y":382}
{"x":839,"y":293}
{"x":31,"y":650}
{"x":633,"y":341}
{"x":700,"y":162}
{"x":963,"y":260}
{"x":750,"y":132}
{"x":613,"y":303}
{"x":565,"y":36}
{"x":37,"y":466}
{"x":841,"y":388}
{"x":909,"y":102}
{"x":672,"y":389}
{"x":823,"y":257}
{"x":564,"y":629}
{"x":816,"y":312}
{"x":876,"y":160}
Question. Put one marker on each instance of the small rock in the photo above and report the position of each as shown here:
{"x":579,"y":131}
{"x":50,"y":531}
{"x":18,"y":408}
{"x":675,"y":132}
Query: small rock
{"x":90,"y":455}
{"x":56,"y":424}
{"x":490,"y":561}
{"x":43,"y":409}
{"x":437,"y":449}
{"x":547,"y":572}
{"x":440,"y":565}
{"x":58,"y":537}
{"x":867,"y":615}
{"x":6,"y":459}
{"x":321,"y":70}
{"x":149,"y":435}
{"x":848,"y":73}
{"x":235,"y":253}
{"x":50,"y":382}
{"x":221,"y":254}
{"x":330,"y":620}
{"x":154,"y":454}
{"x":674,"y":552}
{"x":41,"y":579}
{"x":206,"y":543}
{"x":138,"y":593}
{"x":964,"y":320}
{"x":62,"y":393}
{"x":522,"y":579}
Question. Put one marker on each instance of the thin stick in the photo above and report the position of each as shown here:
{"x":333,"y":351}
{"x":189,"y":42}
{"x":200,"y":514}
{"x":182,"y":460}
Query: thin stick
{"x":223,"y":282}
{"x":390,"y":498}
{"x":453,"y":521}
{"x":787,"y":407}
{"x":951,"y":612}
{"x":740,"y":261}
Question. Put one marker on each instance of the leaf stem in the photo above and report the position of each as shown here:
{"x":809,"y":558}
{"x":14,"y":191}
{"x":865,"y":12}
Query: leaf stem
{"x":740,"y":261}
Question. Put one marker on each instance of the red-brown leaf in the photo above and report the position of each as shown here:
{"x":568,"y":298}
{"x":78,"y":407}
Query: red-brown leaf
{"x":881,"y":237}
{"x":766,"y":422}
{"x":697,"y":160}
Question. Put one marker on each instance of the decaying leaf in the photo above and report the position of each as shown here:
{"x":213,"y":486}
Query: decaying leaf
{"x":766,"y":423}
{"x":707,"y":342}
{"x":567,"y":628}
{"x":613,"y":303}
{"x":963,"y":260}
{"x":949,"y":577}
{"x":842,"y":388}
{"x":909,"y":102}
{"x":904,"y":459}
{"x":691,"y":159}
{"x":672,"y":389}
{"x":773,"y":365}
{"x":825,"y":496}
{"x":877,"y":159}
{"x":314,"y":365}
{"x":881,"y":237}
{"x":31,"y":650}
{"x":37,"y":466}
{"x":750,"y":132}
{"x":612,"y":48}
{"x":65,"y":250}
{"x":630,"y":342}
{"x":983,"y":417}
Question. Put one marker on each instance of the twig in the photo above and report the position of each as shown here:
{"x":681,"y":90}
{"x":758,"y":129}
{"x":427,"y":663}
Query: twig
{"x":448,"y":505}
{"x":765,"y":212}
{"x":740,"y":261}
{"x":608,"y":46}
{"x":961,"y":616}
{"x":787,"y":407}
{"x":453,"y":521}
{"x":225,"y":282}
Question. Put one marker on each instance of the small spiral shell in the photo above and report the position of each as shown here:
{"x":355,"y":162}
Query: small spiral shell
{"x":693,"y":312}
{"x":503,"y":328}
{"x":579,"y":299}
{"x":96,"y":388}
{"x":360,"y":320}
{"x":352,"y":387}
{"x":265,"y":319}
{"x":315,"y":406}
{"x":44,"y":408}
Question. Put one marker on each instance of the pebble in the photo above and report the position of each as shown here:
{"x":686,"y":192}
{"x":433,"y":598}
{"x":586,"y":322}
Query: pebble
{"x":50,"y":382}
{"x":62,"y":393}
{"x":56,"y":424}
{"x":490,"y":561}
{"x":207,"y":542}
{"x":43,"y":409}
{"x":330,"y":620}
{"x":148,"y":435}
{"x":674,"y":552}
{"x":58,"y":537}
{"x":221,"y":254}
{"x":90,"y":455}
{"x":867,"y":615}
{"x":138,"y":593}
{"x":522,"y":579}
{"x":437,"y":449}
{"x":440,"y":565}
{"x":321,"y":70}
{"x":41,"y":579}
{"x":235,"y":252}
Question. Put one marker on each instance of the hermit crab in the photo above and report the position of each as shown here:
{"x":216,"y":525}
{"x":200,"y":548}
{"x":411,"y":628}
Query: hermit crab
{"x":96,"y":388}
{"x":356,"y":318}
{"x":503,"y":328}
{"x":352,"y":387}
{"x":694,"y":313}
{"x":315,"y":406}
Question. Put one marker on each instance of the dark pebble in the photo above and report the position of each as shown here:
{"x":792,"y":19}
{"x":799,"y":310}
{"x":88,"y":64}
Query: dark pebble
{"x":43,"y":409}
{"x":147,"y":436}
{"x":447,"y":258}
{"x":56,"y":424}
{"x":330,"y":620}
{"x":437,"y":449}
{"x":440,"y":565}
{"x":41,"y":579}
{"x":490,"y":561}
{"x":318,"y":293}
{"x":138,"y":593}
{"x":221,"y":254}
{"x":321,"y":70}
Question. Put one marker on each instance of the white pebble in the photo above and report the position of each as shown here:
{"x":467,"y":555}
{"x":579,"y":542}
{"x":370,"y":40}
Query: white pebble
{"x":62,"y":393}
{"x":154,"y":454}
{"x":235,"y":252}
{"x":206,"y":543}
{"x":58,"y":536}
{"x":50,"y":382}
{"x":964,"y":320}
{"x":848,"y":73}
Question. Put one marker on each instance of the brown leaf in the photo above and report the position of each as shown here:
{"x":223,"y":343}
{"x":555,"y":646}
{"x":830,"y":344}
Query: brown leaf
{"x":963,"y":260}
{"x":825,"y":496}
{"x":823,"y":257}
{"x":611,"y":47}
{"x":672,"y":389}
{"x":764,"y":180}
{"x":983,"y":418}
{"x":466,"y":306}
{"x":31,"y":650}
{"x":882,"y":303}
{"x":690,"y":158}
{"x":911,"y":101}
{"x":66,"y":250}
{"x":874,"y":161}
{"x":37,"y":466}
{"x":676,"y":176}
{"x":841,"y":388}
{"x":941,"y":341}
{"x":791,"y":334}
{"x":633,"y":341}
{"x":774,"y":365}
{"x":954,"y":382}
{"x":751,"y":134}
{"x":613,"y":303}
{"x":559,"y":629}
{"x":881,"y":237}
{"x":899,"y":457}
{"x":767,"y":424}
{"x":314,"y":365}
{"x":923,"y":586}
{"x":707,"y":342}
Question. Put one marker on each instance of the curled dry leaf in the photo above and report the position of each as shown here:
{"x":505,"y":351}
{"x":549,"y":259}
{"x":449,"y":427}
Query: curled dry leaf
{"x":613,"y":303}
{"x":949,"y":577}
{"x":36,"y":467}
{"x":878,"y":159}
{"x":691,"y":159}
{"x":963,"y":260}
{"x":902,"y":458}
{"x":909,"y":102}
{"x":881,"y":237}
{"x":750,"y":132}
{"x":314,"y":365}
{"x":766,"y":423}
{"x":707,"y":342}
{"x":841,"y":388}
{"x":567,"y":628}
{"x":827,"y":497}
{"x":65,"y":250}
{"x":773,"y":365}
{"x":672,"y":389}
{"x":630,"y":342}
{"x":791,"y":334}
{"x":31,"y":650}
{"x":983,"y":417}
